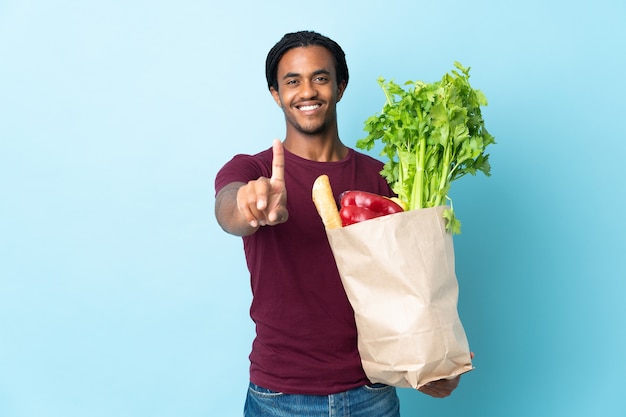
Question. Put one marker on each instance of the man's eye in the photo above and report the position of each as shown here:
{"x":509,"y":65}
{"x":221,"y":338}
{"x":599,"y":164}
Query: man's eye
{"x":292,"y":82}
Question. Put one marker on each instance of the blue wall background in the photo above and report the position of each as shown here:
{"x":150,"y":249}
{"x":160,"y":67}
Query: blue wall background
{"x":119,"y":294}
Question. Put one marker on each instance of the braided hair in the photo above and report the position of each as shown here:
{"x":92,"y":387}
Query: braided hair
{"x":304,"y":38}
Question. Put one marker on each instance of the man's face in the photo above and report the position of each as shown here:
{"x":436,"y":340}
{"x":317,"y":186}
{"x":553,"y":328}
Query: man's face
{"x":307,"y":89}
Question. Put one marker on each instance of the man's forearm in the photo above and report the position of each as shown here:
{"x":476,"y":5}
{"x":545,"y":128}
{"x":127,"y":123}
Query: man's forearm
{"x":227,"y":213}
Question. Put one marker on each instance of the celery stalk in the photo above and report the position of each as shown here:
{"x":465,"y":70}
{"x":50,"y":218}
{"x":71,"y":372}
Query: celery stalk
{"x":433,"y":134}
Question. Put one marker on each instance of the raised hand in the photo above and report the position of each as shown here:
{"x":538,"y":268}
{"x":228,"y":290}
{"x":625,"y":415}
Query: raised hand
{"x":264,"y":201}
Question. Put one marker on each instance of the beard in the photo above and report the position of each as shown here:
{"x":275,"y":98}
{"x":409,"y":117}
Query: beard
{"x":310,"y":128}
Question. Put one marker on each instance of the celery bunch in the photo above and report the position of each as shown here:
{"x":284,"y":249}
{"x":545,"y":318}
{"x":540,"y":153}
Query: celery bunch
{"x":433,"y":134}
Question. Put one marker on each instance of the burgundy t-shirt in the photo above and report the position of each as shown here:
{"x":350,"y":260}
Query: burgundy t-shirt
{"x":305,"y":330}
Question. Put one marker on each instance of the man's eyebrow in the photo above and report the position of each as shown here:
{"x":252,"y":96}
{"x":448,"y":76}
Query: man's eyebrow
{"x":296,"y":75}
{"x":321,"y":71}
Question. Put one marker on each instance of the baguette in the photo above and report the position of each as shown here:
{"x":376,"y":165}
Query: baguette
{"x":325,"y":202}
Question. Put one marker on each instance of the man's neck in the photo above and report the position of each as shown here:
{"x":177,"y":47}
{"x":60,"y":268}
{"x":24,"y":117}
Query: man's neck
{"x":316,"y":148}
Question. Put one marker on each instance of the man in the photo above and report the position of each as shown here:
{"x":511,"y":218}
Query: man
{"x":304,"y":359}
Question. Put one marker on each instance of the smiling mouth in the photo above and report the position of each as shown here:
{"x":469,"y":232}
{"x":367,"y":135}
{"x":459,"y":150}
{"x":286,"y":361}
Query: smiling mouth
{"x":309,"y":108}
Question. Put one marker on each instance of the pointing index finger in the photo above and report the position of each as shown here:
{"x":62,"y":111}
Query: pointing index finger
{"x":278,"y":161}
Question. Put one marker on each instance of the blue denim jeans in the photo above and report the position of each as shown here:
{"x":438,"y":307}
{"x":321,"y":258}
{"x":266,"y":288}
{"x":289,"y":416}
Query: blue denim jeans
{"x":377,"y":400}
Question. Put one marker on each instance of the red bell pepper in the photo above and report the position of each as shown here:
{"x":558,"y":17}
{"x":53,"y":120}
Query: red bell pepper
{"x":358,"y":206}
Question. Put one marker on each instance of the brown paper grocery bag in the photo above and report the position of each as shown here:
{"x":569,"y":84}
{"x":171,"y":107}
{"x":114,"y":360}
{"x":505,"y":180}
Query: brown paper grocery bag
{"x":398,"y":272}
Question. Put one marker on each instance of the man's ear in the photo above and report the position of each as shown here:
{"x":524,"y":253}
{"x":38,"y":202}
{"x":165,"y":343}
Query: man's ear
{"x":341,"y":87}
{"x":276,"y":97}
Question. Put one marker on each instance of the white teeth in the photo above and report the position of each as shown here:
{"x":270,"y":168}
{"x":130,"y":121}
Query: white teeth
{"x":307,"y":108}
